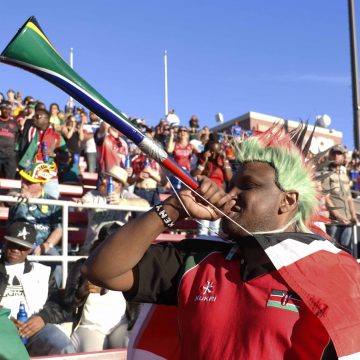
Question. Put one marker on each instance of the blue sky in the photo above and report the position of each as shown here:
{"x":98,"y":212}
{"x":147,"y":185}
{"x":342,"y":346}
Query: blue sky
{"x":284,"y":58}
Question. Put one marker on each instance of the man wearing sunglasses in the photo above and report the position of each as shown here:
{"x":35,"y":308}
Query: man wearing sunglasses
{"x":32,"y":284}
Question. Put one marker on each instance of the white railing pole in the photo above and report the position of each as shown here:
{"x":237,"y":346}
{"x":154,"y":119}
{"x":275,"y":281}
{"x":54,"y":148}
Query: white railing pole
{"x":64,"y":243}
{"x":355,"y":239}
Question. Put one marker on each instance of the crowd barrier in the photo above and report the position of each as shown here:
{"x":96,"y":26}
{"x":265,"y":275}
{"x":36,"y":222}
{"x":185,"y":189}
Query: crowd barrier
{"x":64,"y":258}
{"x":185,"y":229}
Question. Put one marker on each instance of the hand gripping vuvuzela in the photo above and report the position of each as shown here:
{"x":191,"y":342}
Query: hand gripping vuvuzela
{"x":31,"y":50}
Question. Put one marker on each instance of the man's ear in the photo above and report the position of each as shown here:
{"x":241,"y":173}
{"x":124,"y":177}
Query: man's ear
{"x":289,"y":201}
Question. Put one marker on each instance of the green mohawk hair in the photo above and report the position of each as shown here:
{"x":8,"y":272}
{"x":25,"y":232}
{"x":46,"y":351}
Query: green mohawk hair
{"x":284,"y":152}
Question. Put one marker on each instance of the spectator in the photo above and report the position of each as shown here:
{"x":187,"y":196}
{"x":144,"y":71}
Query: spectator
{"x":213,"y":164}
{"x":339,"y":201}
{"x":90,"y":146}
{"x":28,"y":101}
{"x":47,"y":219}
{"x":162,"y":134}
{"x":9,"y":131}
{"x":194,"y":123}
{"x":24,"y":115}
{"x":15,"y":103}
{"x":32,"y":284}
{"x":172,"y":118}
{"x":112,"y":148}
{"x":147,"y":176}
{"x":55,"y":120}
{"x":353,"y":173}
{"x":264,"y":284}
{"x":120,"y":196}
{"x":181,"y":148}
{"x":36,"y":133}
{"x":73,"y":134}
{"x":98,"y":314}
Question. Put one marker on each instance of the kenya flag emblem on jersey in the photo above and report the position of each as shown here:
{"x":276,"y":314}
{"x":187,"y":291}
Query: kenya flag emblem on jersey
{"x":284,"y":300}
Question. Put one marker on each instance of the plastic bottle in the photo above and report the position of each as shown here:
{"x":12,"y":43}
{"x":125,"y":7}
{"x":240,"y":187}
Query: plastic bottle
{"x":34,"y":247}
{"x":146,"y":163}
{"x":43,"y":148}
{"x":23,"y":317}
{"x":127,"y":162}
{"x":110,"y":185}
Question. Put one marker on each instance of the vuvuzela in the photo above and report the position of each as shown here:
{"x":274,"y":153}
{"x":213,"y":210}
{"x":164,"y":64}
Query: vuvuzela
{"x":31,"y":50}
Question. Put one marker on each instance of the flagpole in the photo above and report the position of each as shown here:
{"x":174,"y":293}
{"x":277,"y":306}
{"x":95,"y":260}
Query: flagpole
{"x":166,"y":83}
{"x":354,"y":74}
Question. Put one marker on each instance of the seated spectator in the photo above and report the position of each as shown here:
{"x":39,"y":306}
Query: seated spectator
{"x":40,"y":142}
{"x":32,"y":284}
{"x":9,"y":131}
{"x":120,"y":196}
{"x":47,"y":219}
{"x":213,"y":164}
{"x":112,"y":148}
{"x":99,"y":315}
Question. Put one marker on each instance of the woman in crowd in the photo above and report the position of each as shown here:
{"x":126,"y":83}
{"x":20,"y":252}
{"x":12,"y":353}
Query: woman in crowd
{"x":101,"y":317}
{"x":56,"y":117}
{"x":181,"y":148}
{"x":73,"y":134}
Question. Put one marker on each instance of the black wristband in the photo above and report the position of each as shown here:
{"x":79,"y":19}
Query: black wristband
{"x":163,"y":215}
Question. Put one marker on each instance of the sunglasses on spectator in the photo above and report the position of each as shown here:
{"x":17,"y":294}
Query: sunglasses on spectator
{"x":12,"y":245}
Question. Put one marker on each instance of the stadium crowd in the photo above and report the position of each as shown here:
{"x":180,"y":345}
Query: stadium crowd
{"x":45,"y":146}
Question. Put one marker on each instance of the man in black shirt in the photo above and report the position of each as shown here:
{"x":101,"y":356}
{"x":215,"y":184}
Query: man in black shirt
{"x":8,"y":137}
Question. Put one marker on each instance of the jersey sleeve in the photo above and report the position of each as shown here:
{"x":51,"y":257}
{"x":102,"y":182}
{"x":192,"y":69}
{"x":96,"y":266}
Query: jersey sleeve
{"x":157,"y":275}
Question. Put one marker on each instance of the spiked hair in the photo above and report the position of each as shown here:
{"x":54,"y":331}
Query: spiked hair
{"x":285,"y":153}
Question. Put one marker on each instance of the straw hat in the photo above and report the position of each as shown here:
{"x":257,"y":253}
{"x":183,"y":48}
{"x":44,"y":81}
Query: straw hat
{"x":119,"y":174}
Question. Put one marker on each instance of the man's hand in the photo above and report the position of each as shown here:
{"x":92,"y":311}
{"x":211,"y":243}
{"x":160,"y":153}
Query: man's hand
{"x":113,"y":198}
{"x":49,"y":152}
{"x":37,"y":250}
{"x":214,"y":194}
{"x":31,"y":327}
{"x":342,"y":220}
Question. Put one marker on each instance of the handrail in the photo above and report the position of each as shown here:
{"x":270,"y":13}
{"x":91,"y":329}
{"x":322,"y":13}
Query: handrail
{"x":64,"y":258}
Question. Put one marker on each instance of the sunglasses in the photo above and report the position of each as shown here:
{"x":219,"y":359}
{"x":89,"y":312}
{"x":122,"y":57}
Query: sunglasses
{"x":12,"y":245}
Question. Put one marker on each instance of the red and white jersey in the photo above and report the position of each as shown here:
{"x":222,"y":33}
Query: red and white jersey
{"x":182,"y":155}
{"x":112,"y":152}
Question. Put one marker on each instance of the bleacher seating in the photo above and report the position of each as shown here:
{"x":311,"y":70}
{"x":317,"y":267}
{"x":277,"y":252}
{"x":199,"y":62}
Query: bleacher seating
{"x":78,"y":219}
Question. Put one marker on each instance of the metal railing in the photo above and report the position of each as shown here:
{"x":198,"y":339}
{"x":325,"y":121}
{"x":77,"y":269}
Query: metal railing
{"x":64,"y":258}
